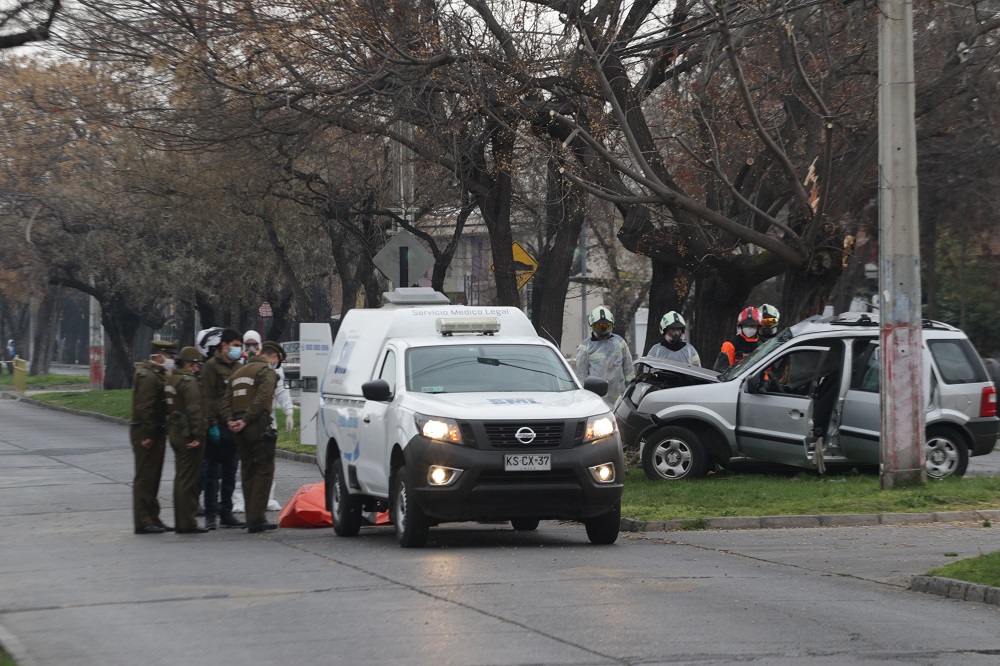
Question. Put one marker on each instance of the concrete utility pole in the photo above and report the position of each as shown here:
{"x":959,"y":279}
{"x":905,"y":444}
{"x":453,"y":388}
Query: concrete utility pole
{"x":96,"y":346}
{"x":902,"y":382}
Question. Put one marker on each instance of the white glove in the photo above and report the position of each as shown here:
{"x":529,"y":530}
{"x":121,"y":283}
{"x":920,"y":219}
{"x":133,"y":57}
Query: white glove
{"x":289,"y":420}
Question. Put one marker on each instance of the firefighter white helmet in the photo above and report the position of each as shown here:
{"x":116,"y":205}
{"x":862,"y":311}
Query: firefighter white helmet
{"x":207,"y":340}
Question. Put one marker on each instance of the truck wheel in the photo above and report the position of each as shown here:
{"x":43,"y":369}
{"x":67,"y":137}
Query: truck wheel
{"x":945,"y":454}
{"x":603,"y":530}
{"x":346,"y":510}
{"x":524,"y":524}
{"x":674,"y":453}
{"x":412,"y":525}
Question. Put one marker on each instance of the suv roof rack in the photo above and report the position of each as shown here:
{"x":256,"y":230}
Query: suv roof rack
{"x":872,"y":319}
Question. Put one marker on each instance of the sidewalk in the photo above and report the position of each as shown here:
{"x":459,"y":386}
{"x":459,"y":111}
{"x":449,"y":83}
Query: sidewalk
{"x":928,"y":584}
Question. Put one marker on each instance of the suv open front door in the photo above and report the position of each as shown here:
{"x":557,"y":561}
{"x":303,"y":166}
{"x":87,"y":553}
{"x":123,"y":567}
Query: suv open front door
{"x":774,"y":418}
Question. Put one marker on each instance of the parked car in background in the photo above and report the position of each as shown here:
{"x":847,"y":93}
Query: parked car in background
{"x":809,"y":398}
{"x":292,"y":359}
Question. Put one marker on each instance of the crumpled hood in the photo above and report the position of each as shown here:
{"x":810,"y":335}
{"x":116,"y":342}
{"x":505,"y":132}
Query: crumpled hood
{"x":662,"y":365}
{"x":508,"y":404}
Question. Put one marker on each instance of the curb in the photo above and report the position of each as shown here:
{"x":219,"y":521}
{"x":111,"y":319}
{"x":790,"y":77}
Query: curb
{"x":10,"y":644}
{"x":956,"y":589}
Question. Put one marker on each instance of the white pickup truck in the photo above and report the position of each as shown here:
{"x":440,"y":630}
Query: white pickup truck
{"x":443,"y":413}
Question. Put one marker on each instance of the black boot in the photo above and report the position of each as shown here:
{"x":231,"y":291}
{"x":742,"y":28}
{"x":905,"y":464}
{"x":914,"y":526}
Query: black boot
{"x":229,"y":520}
{"x":261,"y":527}
{"x":210,"y":522}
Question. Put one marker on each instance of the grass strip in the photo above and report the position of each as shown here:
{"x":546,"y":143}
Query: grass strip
{"x":984,"y":570}
{"x":755,"y":494}
{"x":119,"y":404}
{"x":46,"y":381}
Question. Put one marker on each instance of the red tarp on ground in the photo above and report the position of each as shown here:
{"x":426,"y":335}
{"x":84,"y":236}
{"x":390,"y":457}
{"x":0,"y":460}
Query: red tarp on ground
{"x":307,"y":508}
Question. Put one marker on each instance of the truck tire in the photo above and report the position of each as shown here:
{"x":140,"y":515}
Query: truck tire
{"x":412,"y":525}
{"x":524,"y":524}
{"x":674,"y":453}
{"x":945,"y":454}
{"x":345,"y":509}
{"x":603,"y":530}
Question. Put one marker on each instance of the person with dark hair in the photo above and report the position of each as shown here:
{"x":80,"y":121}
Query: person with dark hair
{"x":247,"y":408}
{"x":186,"y":427}
{"x":148,"y":436}
{"x":221,"y":461}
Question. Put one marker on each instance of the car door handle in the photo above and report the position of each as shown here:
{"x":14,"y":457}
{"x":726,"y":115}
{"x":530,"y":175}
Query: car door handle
{"x":795,"y":414}
{"x":367,"y":418}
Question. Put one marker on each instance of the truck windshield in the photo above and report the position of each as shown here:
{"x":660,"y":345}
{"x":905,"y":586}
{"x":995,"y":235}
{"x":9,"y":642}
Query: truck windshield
{"x":483,"y":368}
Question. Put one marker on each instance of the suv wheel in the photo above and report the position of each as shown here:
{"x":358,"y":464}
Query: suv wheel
{"x":345,"y":509}
{"x":945,"y":454}
{"x":412,"y":525}
{"x":524,"y":524}
{"x":674,"y":453}
{"x":603,"y":530}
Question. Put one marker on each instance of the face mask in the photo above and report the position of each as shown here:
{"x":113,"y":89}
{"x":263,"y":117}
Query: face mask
{"x":749,"y":332}
{"x":674,"y":335}
{"x":252,"y":350}
{"x":768,"y":332}
{"x":272,"y":365}
{"x":235,"y":353}
{"x":168,"y":364}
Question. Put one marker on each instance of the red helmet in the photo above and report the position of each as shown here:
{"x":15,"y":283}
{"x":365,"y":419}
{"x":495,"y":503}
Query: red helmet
{"x":748,"y":316}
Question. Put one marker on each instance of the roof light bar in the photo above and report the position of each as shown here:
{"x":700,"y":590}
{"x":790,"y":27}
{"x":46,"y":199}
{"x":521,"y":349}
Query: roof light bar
{"x":450,"y":325}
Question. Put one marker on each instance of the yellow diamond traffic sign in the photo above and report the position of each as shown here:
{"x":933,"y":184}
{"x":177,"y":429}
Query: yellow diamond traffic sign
{"x":524,"y":265}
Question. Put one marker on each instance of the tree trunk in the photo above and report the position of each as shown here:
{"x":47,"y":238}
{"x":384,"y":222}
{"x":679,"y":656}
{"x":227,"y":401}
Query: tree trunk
{"x":120,"y":325}
{"x":565,"y":214}
{"x":718,"y":301}
{"x":495,"y":206}
{"x":806,"y":292}
{"x":668,"y":289}
{"x":45,"y":330}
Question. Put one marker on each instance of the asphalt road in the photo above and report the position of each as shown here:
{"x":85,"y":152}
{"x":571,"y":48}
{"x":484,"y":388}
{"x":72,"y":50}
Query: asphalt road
{"x":77,"y":587}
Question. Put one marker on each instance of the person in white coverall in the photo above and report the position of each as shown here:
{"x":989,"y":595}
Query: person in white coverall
{"x":605,"y":354}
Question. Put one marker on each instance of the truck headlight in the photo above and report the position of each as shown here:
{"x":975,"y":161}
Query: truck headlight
{"x":599,"y":427}
{"x":439,"y":429}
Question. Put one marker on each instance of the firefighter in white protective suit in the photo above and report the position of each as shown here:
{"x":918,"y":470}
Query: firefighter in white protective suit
{"x":605,"y":354}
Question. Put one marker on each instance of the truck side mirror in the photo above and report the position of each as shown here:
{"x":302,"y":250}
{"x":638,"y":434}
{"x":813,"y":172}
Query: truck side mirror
{"x":753,"y":384}
{"x":596,"y":385}
{"x":377,"y":390}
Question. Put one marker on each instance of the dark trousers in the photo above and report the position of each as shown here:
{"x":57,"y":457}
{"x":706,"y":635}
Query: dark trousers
{"x":188,"y":468}
{"x":146,"y":483}
{"x":257,"y":474}
{"x":220,"y":473}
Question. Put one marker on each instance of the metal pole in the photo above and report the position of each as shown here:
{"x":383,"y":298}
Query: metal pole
{"x":902,"y":382}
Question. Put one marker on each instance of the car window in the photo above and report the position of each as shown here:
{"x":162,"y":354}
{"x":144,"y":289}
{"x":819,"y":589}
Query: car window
{"x":484,"y":368}
{"x":867,"y":376}
{"x":957,"y":361}
{"x":793,"y":373}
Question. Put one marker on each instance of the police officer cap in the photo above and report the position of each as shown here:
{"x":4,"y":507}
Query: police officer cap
{"x":275,"y":348}
{"x":189,"y":354}
{"x":164,"y":347}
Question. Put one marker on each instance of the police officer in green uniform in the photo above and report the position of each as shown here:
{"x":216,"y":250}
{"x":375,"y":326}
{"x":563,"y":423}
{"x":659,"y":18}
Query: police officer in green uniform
{"x":247,"y":409}
{"x":147,"y":433}
{"x":186,"y":426}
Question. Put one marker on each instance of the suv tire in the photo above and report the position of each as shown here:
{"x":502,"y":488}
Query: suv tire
{"x":946,"y":453}
{"x":524,"y":524}
{"x":344,"y":508}
{"x":674,"y":453}
{"x":412,"y":525}
{"x":603,"y":530}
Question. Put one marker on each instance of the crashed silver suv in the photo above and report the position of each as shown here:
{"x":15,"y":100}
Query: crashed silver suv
{"x":808,"y":397}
